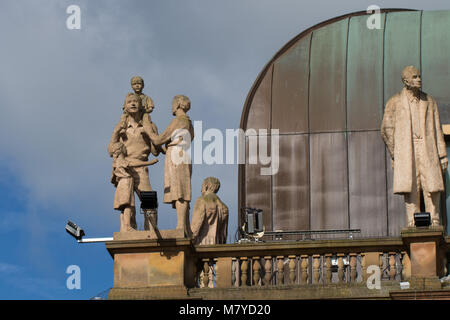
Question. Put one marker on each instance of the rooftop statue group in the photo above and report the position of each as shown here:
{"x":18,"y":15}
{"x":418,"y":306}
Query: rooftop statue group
{"x":412,"y":132}
{"x":410,"y":128}
{"x":132,"y":141}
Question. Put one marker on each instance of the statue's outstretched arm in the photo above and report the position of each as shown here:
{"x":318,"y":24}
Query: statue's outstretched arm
{"x":163,"y":137}
{"x":140,"y":163}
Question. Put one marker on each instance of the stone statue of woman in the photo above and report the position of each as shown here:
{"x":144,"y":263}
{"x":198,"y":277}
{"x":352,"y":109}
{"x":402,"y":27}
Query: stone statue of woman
{"x":178,"y":167}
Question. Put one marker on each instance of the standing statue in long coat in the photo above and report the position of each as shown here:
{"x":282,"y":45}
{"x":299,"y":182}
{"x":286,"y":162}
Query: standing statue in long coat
{"x":412,"y":132}
{"x":178,"y":166}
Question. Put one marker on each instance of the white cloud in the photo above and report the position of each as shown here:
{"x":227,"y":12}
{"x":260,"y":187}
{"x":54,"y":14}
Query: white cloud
{"x":7,"y":268}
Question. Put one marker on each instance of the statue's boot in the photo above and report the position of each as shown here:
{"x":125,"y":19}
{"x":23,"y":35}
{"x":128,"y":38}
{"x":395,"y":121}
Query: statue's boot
{"x":128,"y":220}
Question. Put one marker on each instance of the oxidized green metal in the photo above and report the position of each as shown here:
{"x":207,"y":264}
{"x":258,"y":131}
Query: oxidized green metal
{"x":327,"y":78}
{"x":436,"y":59}
{"x":325,"y":91}
{"x":290,"y":89}
{"x":364,"y":75}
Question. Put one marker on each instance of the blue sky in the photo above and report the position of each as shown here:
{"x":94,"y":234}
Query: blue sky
{"x":61,"y":93}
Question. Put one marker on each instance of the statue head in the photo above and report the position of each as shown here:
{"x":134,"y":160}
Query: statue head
{"x":132,"y":104}
{"x":411,"y":77}
{"x":210,"y":185}
{"x":137,"y":83}
{"x":180,"y":102}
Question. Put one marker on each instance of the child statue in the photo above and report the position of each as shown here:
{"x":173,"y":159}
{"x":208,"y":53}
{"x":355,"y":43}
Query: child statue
{"x":147,"y":106}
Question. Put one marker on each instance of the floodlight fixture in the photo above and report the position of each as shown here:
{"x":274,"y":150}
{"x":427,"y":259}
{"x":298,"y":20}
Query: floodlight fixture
{"x":253,"y":220}
{"x":78,"y":233}
{"x":74,"y":230}
{"x":422,"y":219}
{"x":149,"y":200}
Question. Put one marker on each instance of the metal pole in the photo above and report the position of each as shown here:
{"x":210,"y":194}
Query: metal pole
{"x":92,"y":240}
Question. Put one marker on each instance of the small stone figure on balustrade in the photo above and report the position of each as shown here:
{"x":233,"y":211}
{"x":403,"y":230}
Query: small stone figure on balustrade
{"x":210,"y":218}
{"x":209,"y":223}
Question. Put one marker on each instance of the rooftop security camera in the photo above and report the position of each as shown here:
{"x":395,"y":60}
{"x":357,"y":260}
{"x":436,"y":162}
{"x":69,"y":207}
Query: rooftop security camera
{"x":74,"y":230}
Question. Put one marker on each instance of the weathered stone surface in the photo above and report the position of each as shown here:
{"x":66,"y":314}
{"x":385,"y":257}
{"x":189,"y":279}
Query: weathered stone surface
{"x":224,"y":277}
{"x":413,"y":135}
{"x":423,"y":259}
{"x":424,"y":247}
{"x":210,"y":218}
{"x":420,"y":295}
{"x":177,"y":167}
{"x":142,"y":263}
{"x":142,"y":235}
{"x":136,"y":270}
{"x":130,"y":151}
{"x":153,"y":293}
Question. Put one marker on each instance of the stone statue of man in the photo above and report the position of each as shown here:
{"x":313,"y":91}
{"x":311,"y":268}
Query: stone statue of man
{"x":133,"y":172}
{"x":412,"y":132}
{"x":210,"y":218}
{"x":122,"y":178}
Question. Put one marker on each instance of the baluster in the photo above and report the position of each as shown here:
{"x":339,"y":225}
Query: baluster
{"x":353,"y":267}
{"x":292,"y":259}
{"x":364,"y":267}
{"x":205,"y":279}
{"x":392,"y":266}
{"x":305,"y":266}
{"x":233,"y":271}
{"x":244,"y":267}
{"x":341,"y":267}
{"x":329,"y":272}
{"x":406,"y":266}
{"x":256,"y":271}
{"x":316,"y":268}
{"x":267,"y":270}
{"x":381,"y":264}
{"x":215,"y":274}
{"x":280,"y":271}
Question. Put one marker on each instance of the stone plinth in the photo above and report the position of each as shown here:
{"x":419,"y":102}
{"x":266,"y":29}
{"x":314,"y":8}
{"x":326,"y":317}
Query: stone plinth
{"x":159,"y":267}
{"x":149,"y":235}
{"x":425,"y":249}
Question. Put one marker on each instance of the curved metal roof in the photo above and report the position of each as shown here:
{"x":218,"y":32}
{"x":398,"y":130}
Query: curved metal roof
{"x":325,"y":91}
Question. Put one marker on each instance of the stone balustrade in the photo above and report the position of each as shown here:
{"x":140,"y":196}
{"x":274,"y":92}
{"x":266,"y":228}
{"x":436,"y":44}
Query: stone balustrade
{"x":146,"y":268}
{"x":301,"y":263}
